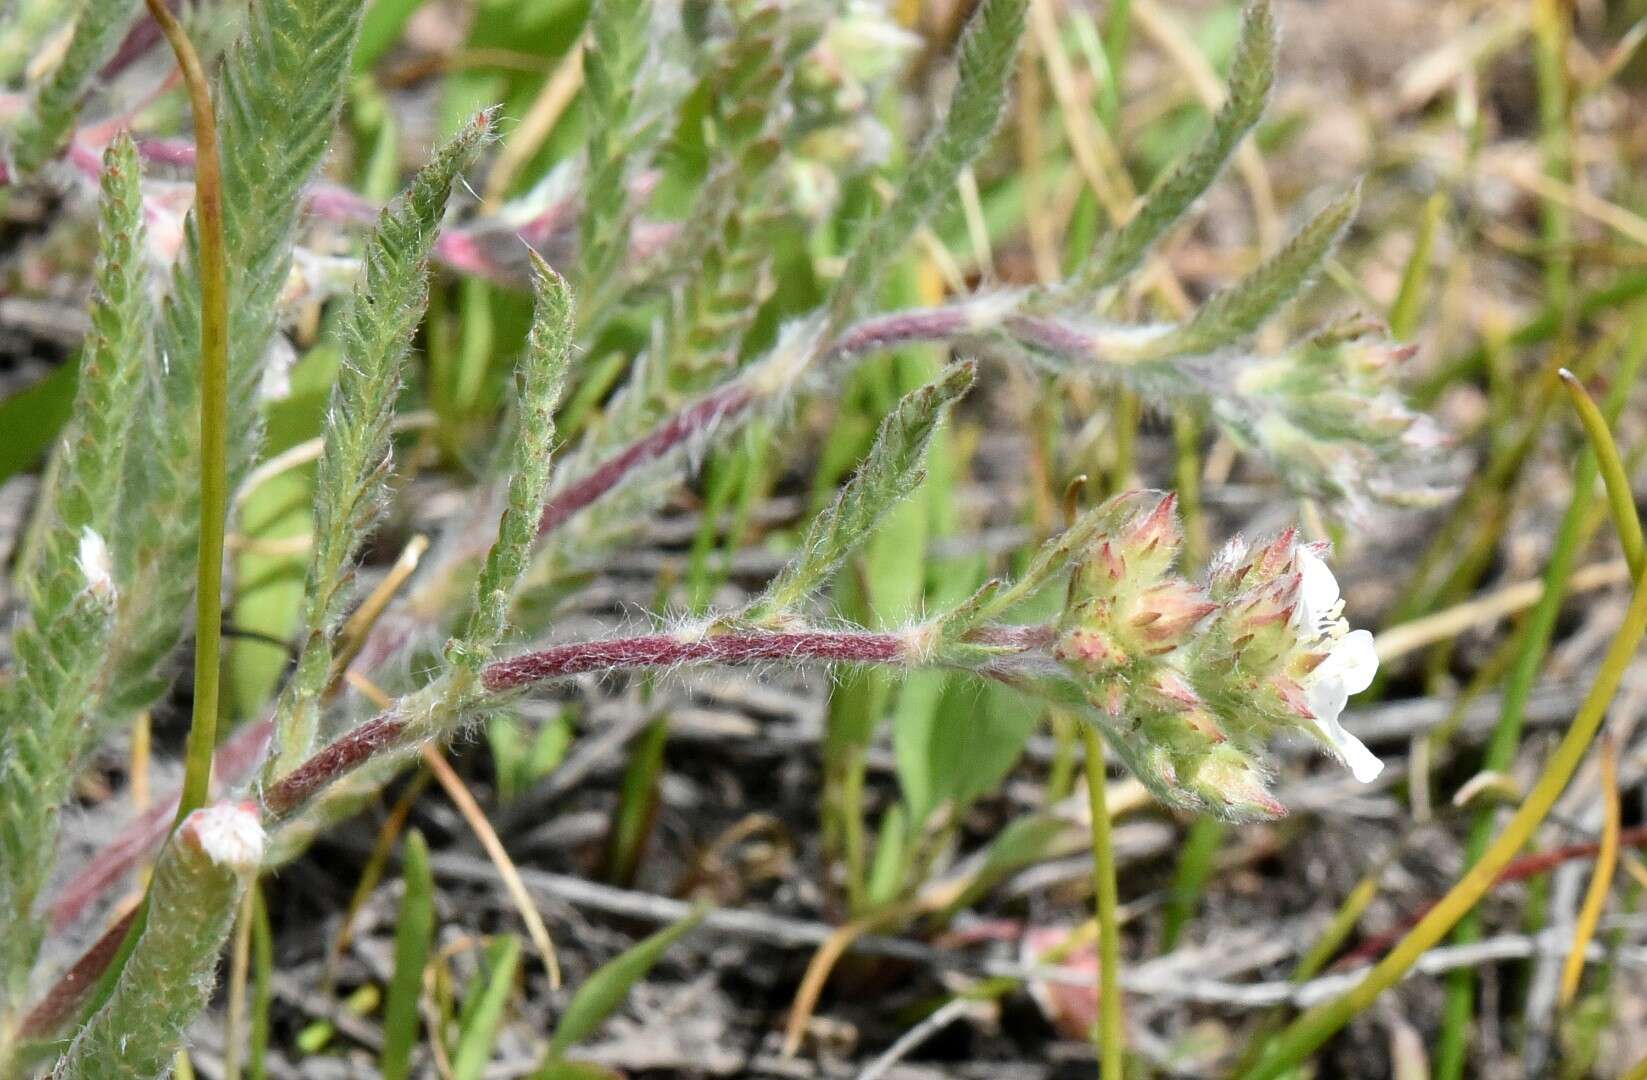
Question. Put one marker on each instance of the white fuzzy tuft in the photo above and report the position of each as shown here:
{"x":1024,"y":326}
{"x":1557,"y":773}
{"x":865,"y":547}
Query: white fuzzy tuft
{"x":986,"y":311}
{"x":230,"y":835}
{"x":95,"y":562}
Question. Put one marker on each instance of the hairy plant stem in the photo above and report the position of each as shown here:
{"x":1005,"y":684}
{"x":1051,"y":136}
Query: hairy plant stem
{"x":1110,"y":1035}
{"x":731,"y":400}
{"x":214,"y":414}
{"x":389,"y":731}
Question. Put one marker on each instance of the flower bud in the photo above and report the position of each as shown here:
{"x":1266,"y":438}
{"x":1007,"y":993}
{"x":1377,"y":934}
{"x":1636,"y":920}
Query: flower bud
{"x":1149,"y":540}
{"x":1166,"y":613}
{"x":1258,"y":626}
{"x":1233,"y":784}
{"x":1240,"y":567}
{"x":1090,"y":649}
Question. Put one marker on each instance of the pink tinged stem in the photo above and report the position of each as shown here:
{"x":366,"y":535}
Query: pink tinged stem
{"x":667,"y":650}
{"x":733,"y":399}
{"x":678,"y":430}
{"x":70,"y":990}
{"x":333,"y":761}
{"x":388,"y":731}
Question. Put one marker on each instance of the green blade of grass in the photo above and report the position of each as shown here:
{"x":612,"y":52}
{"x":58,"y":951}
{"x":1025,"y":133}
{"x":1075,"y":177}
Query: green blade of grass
{"x":1620,"y":500}
{"x":483,"y":1012}
{"x":413,"y":933}
{"x":602,"y":993}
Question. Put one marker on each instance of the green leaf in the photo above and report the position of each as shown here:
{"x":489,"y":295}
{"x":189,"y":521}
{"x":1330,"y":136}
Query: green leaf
{"x":1234,"y":313}
{"x":619,"y":37}
{"x":959,"y":746}
{"x":1251,"y":76}
{"x":168,"y":978}
{"x":605,"y":990}
{"x":61,"y":643}
{"x":32,"y":417}
{"x":894,"y":468}
{"x":375,"y":336}
{"x":539,"y":381}
{"x":984,"y":71}
{"x":277,"y":101}
{"x":483,"y":1011}
{"x":414,"y":930}
{"x":48,"y":118}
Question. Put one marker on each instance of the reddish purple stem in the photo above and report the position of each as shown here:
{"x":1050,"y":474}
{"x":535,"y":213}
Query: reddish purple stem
{"x":67,"y":993}
{"x":337,"y":758}
{"x":387,"y":730}
{"x":699,"y":417}
{"x":733,"y":399}
{"x":667,"y":650}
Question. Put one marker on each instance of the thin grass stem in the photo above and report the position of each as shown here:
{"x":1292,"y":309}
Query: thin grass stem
{"x":1111,"y":1032}
{"x":214,"y":414}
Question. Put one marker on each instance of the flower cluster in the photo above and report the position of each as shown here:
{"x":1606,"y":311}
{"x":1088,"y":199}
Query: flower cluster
{"x":1329,"y":408}
{"x":1190,"y":680}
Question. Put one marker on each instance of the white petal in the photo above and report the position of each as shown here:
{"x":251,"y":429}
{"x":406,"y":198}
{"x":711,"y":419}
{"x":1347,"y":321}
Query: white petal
{"x":1347,"y":670}
{"x":1326,"y":693}
{"x":1356,"y":658}
{"x":1363,"y":764}
{"x":1327,"y":698}
{"x":1317,"y":591}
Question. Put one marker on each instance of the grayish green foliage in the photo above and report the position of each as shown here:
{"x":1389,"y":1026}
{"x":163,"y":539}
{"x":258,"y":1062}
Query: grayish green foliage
{"x":1251,"y":76}
{"x":46,"y":123}
{"x":983,"y":75}
{"x":61,"y":641}
{"x":720,"y":265}
{"x":171,"y":970}
{"x":892,"y":471}
{"x":277,"y":99}
{"x":539,"y":380}
{"x":1234,"y":313}
{"x":279,"y":92}
{"x":618,"y":43}
{"x":375,"y":336}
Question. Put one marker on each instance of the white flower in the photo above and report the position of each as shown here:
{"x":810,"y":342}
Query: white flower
{"x":95,"y":562}
{"x":1348,"y":669}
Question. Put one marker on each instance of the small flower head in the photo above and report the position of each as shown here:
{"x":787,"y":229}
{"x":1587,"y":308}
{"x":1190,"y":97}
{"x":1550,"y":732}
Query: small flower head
{"x":1327,"y":413}
{"x":1189,"y":681}
{"x":1235,"y":785}
{"x":1240,"y":567}
{"x":1125,"y":605}
{"x":1282,"y":651}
